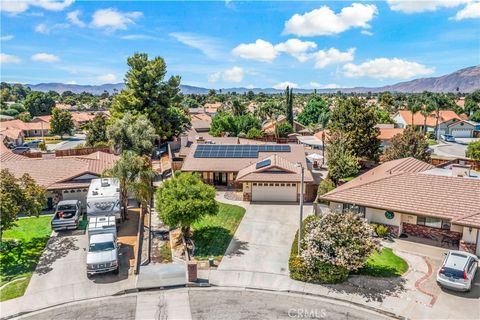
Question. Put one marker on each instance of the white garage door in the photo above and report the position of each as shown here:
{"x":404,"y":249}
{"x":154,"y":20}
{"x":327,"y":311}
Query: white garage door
{"x":76,"y":194}
{"x":462,"y":133}
{"x":274,"y":192}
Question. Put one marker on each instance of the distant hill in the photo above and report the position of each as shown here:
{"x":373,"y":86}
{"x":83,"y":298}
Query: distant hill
{"x":466,"y":80}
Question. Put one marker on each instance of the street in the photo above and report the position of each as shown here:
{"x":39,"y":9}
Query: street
{"x":70,"y":143}
{"x":207,"y":303}
{"x":449,"y":149}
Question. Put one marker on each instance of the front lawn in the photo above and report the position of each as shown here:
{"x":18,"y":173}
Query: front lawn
{"x":22,"y":246}
{"x":212,"y":234}
{"x":384,"y":264}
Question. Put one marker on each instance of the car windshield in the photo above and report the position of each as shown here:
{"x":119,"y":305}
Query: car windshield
{"x":452,"y":273}
{"x":102,"y":246}
{"x":67,"y":207}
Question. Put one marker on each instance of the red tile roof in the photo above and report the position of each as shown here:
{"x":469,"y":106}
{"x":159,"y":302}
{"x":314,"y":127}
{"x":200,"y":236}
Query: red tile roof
{"x":419,"y":119}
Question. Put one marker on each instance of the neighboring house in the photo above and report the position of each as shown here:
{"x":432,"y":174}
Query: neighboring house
{"x":29,"y":129}
{"x":386,"y":133}
{"x":463,"y":128}
{"x":263,"y":172}
{"x":269,"y":126}
{"x":403,"y":119}
{"x":65,"y":178}
{"x":414,"y":198}
{"x":78,"y":118}
{"x":212,"y":108}
{"x":12,"y":135}
{"x":201,"y":122}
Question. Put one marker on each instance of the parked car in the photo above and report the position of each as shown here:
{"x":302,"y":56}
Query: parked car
{"x":458,"y":270}
{"x":102,"y":255}
{"x":32,"y":144}
{"x":67,"y":215}
{"x":21,"y":150}
{"x":447,"y":138}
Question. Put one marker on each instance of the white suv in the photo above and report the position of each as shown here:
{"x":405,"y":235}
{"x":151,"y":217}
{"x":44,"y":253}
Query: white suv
{"x":458,"y":270}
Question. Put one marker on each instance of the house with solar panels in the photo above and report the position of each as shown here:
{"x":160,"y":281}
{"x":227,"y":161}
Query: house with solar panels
{"x":263,"y":172}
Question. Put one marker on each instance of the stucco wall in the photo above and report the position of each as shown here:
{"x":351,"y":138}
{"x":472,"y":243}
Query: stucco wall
{"x":456,"y":228}
{"x":378,"y":216}
{"x":469,"y":236}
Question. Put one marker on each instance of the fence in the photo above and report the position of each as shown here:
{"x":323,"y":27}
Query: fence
{"x":69,"y":152}
{"x":443,"y":162}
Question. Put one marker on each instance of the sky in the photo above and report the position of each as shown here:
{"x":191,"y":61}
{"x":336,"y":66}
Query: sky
{"x":225,"y":44}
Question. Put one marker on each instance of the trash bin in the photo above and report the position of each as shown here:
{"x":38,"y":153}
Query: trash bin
{"x":192,"y":271}
{"x":211,"y":262}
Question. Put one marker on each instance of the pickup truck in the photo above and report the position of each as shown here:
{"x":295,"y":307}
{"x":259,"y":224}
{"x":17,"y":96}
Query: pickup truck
{"x":102,"y":255}
{"x":67,"y":215}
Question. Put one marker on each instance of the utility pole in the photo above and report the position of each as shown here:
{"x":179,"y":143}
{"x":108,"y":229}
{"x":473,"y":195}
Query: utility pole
{"x":301,"y":209}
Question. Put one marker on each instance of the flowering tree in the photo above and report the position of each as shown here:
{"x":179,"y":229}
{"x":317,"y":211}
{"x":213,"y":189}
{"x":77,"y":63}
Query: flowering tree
{"x":339,"y":239}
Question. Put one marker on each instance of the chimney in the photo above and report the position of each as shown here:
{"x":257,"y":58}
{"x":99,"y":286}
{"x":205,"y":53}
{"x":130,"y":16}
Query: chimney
{"x":183,"y":140}
{"x":459,"y":170}
{"x":200,"y":140}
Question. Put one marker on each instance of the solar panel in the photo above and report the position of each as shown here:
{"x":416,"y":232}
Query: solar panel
{"x":263,"y":163}
{"x":236,"y":151}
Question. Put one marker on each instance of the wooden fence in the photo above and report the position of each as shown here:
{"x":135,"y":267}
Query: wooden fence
{"x":69,"y":152}
{"x":443,"y":162}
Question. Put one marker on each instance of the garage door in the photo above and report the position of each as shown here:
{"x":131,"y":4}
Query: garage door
{"x":76,"y":194}
{"x":462,"y":133}
{"x":274,"y":192}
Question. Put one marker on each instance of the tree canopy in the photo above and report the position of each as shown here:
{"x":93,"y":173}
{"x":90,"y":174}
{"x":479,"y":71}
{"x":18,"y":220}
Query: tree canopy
{"x":61,"y":122}
{"x":313,"y":110}
{"x":39,"y":103}
{"x":96,"y":131}
{"x":132,"y":133}
{"x":342,"y":163}
{"x":225,"y":123}
{"x":356,"y":121}
{"x":473,"y":150}
{"x":410,"y":143}
{"x":185,"y":199}
{"x":148,"y":94}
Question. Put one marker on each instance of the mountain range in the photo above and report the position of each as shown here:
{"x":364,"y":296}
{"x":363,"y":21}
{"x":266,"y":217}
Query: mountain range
{"x":464,"y":80}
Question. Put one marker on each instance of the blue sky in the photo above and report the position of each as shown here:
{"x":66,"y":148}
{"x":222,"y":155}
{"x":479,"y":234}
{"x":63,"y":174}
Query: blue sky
{"x":230,"y":44}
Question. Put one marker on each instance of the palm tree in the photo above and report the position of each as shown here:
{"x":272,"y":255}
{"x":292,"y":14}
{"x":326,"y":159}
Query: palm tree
{"x":414,"y":106}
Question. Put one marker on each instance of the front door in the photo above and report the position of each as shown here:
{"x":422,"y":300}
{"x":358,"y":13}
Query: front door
{"x":220,"y":178}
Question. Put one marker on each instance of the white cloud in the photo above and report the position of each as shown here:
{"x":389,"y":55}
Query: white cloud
{"x":332,"y":56}
{"x":107,"y":78}
{"x":366,"y":32}
{"x":46,"y":29}
{"x":45,"y":57}
{"x":111,"y":19}
{"x":384,"y":68}
{"x":234,"y":74}
{"x":19,"y":6}
{"x":324,"y":21}
{"x":74,"y":18}
{"x":261,"y":50}
{"x":471,"y":11}
{"x":409,"y":6}
{"x":136,"y":37}
{"x":71,"y":82}
{"x":8,"y":58}
{"x":207,"y":45}
{"x":283,"y":85}
{"x":6,"y":37}
{"x":296,"y":48}
{"x":316,"y":85}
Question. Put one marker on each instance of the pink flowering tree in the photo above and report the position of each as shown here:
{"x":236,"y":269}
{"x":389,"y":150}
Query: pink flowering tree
{"x":338,"y":239}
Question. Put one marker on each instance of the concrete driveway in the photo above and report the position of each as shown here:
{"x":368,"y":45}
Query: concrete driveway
{"x":263,"y":239}
{"x":450,"y":149}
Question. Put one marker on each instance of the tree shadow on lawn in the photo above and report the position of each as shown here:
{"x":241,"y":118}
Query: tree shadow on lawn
{"x":370,"y":288}
{"x":213,"y":241}
{"x":20,"y":257}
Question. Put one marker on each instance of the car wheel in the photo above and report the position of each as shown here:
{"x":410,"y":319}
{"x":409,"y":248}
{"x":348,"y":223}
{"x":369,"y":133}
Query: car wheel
{"x":116,"y":271}
{"x":89,"y":276}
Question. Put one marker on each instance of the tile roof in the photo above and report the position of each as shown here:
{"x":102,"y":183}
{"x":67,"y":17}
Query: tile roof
{"x":403,"y":188}
{"x":279,"y":170}
{"x":201,"y":121}
{"x":419,"y":119}
{"x":389,"y":133}
{"x":18,"y":124}
{"x":296,"y":154}
{"x":51,"y":172}
{"x":12,"y":133}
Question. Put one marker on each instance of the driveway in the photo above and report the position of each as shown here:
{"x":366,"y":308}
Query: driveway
{"x":263,"y":239}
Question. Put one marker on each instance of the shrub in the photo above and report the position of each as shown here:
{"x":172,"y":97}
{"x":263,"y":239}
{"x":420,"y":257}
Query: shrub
{"x":254,"y":133}
{"x":324,"y":187}
{"x":10,"y":112}
{"x":42,"y":146}
{"x":381,"y":230}
{"x":328,"y":273}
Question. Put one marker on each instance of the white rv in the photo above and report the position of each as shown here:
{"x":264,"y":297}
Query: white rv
{"x":104,"y":198}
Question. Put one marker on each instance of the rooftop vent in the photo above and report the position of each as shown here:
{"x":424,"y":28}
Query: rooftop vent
{"x":105,"y":183}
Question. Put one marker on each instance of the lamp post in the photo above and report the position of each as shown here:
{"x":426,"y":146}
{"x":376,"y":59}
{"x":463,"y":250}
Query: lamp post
{"x":301,"y":208}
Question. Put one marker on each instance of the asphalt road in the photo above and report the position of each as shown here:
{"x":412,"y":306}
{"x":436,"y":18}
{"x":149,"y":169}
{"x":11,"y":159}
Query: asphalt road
{"x":71,"y":143}
{"x":205,"y":303}
{"x":450,"y":150}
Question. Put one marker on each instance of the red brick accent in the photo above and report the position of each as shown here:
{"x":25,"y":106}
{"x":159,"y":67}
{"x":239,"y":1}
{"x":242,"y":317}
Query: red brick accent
{"x":429,"y":232}
{"x":468,"y":247}
{"x":246,"y":196}
{"x":192,"y":271}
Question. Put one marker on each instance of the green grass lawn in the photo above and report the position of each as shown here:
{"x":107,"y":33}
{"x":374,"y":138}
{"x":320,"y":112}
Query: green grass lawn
{"x":212,"y":234}
{"x":384,"y":264}
{"x":432,"y":142}
{"x":22,"y":246}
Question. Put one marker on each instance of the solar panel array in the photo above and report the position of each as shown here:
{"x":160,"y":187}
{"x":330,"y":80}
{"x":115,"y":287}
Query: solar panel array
{"x":236,"y":150}
{"x":263,"y":163}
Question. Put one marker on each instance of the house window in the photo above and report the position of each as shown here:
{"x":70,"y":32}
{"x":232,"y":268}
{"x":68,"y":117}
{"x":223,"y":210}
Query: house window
{"x":254,"y":183}
{"x":433,"y":223}
{"x":276,"y":184}
{"x":282,"y":184}
{"x":354,"y":208}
